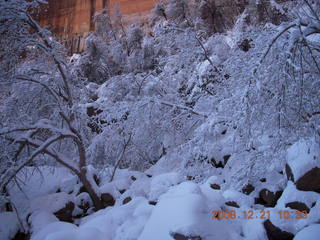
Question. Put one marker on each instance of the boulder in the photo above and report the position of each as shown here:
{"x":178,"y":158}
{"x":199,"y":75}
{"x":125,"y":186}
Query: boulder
{"x":232,"y":204}
{"x":275,"y":233}
{"x":215,"y":186}
{"x":178,"y":236}
{"x":107,"y":200}
{"x":245,"y":45}
{"x":226,"y":158}
{"x":122,"y":191}
{"x":84,"y":206}
{"x":300,"y":206}
{"x":303,"y":165}
{"x":65,"y":214}
{"x":21,"y":236}
{"x":268,"y":198}
{"x":310,"y":181}
{"x":153,"y":203}
{"x":247,"y":189}
{"x":289,"y":173}
{"x":126,"y":200}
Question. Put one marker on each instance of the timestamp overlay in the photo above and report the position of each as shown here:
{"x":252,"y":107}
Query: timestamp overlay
{"x":258,"y":214}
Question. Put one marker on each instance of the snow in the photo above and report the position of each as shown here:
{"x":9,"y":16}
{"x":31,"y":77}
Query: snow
{"x":161,"y":183}
{"x":303,"y":156}
{"x":214,"y":198}
{"x":69,"y":184}
{"x":139,"y":187}
{"x":182,"y":209}
{"x":52,"y":228}
{"x":40,"y":219}
{"x":182,"y":113}
{"x":313,"y":217}
{"x":67,"y":231}
{"x":9,"y":225}
{"x":254,"y":230}
{"x":114,"y":222}
{"x":241,"y":199}
{"x":51,"y":202}
{"x":291,"y":194}
{"x":311,"y":233}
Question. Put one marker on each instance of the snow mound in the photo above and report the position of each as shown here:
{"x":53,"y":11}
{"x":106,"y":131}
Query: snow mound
{"x":39,"y":220}
{"x":161,"y":183}
{"x":51,"y":203}
{"x":240,"y":198}
{"x":122,"y":222}
{"x":303,"y":156}
{"x":182,"y":210}
{"x":311,"y":233}
{"x":291,"y":194}
{"x":9,"y":225}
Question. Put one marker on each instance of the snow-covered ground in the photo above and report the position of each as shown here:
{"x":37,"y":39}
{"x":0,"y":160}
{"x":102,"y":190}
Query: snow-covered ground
{"x":188,"y":136}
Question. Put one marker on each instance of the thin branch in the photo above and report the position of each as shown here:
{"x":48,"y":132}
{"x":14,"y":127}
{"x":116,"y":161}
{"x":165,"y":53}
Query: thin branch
{"x":126,"y":143}
{"x":275,"y":39}
{"x":179,"y":106}
{"x":204,"y":50}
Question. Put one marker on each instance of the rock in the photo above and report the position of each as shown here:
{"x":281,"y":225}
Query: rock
{"x":303,"y":164}
{"x":275,"y":233}
{"x":289,"y":173}
{"x":122,"y":191}
{"x":8,"y":207}
{"x":96,"y":179}
{"x":263,"y":180}
{"x":65,"y":214}
{"x":245,"y":45}
{"x":107,"y":200}
{"x":126,"y":200}
{"x":226,"y":158}
{"x":268,"y":198}
{"x":72,"y":21}
{"x":153,"y":203}
{"x":300,"y":206}
{"x":21,"y":236}
{"x":247,"y":189}
{"x":215,"y":186}
{"x":232,"y":204}
{"x":84,"y":206}
{"x":178,"y":236}
{"x":216,"y":164}
{"x":190,"y":178}
{"x":310,"y":181}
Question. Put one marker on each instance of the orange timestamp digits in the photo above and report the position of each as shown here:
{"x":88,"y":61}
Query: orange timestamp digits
{"x":263,"y":214}
{"x":243,"y":214}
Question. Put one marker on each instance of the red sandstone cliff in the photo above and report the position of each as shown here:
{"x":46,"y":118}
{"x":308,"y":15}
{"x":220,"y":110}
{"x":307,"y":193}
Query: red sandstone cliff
{"x":71,"y":20}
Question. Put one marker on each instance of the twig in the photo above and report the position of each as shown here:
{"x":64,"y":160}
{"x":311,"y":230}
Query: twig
{"x":126,"y":143}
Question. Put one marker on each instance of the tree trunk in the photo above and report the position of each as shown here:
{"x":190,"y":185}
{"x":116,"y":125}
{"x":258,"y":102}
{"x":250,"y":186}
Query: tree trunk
{"x":88,"y":186}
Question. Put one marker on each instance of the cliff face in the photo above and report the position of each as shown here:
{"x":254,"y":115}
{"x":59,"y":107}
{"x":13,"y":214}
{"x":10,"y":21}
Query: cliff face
{"x":71,"y":20}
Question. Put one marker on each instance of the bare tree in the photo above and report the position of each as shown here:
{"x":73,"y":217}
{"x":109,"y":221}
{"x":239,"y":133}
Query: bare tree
{"x":62,"y":126}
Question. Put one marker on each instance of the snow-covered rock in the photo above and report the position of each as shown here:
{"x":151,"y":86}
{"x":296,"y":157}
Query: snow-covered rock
{"x":311,"y":233}
{"x":291,"y":194}
{"x":161,"y":184}
{"x":9,"y":225}
{"x":39,"y":220}
{"x":183,"y":210}
{"x":302,"y":157}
